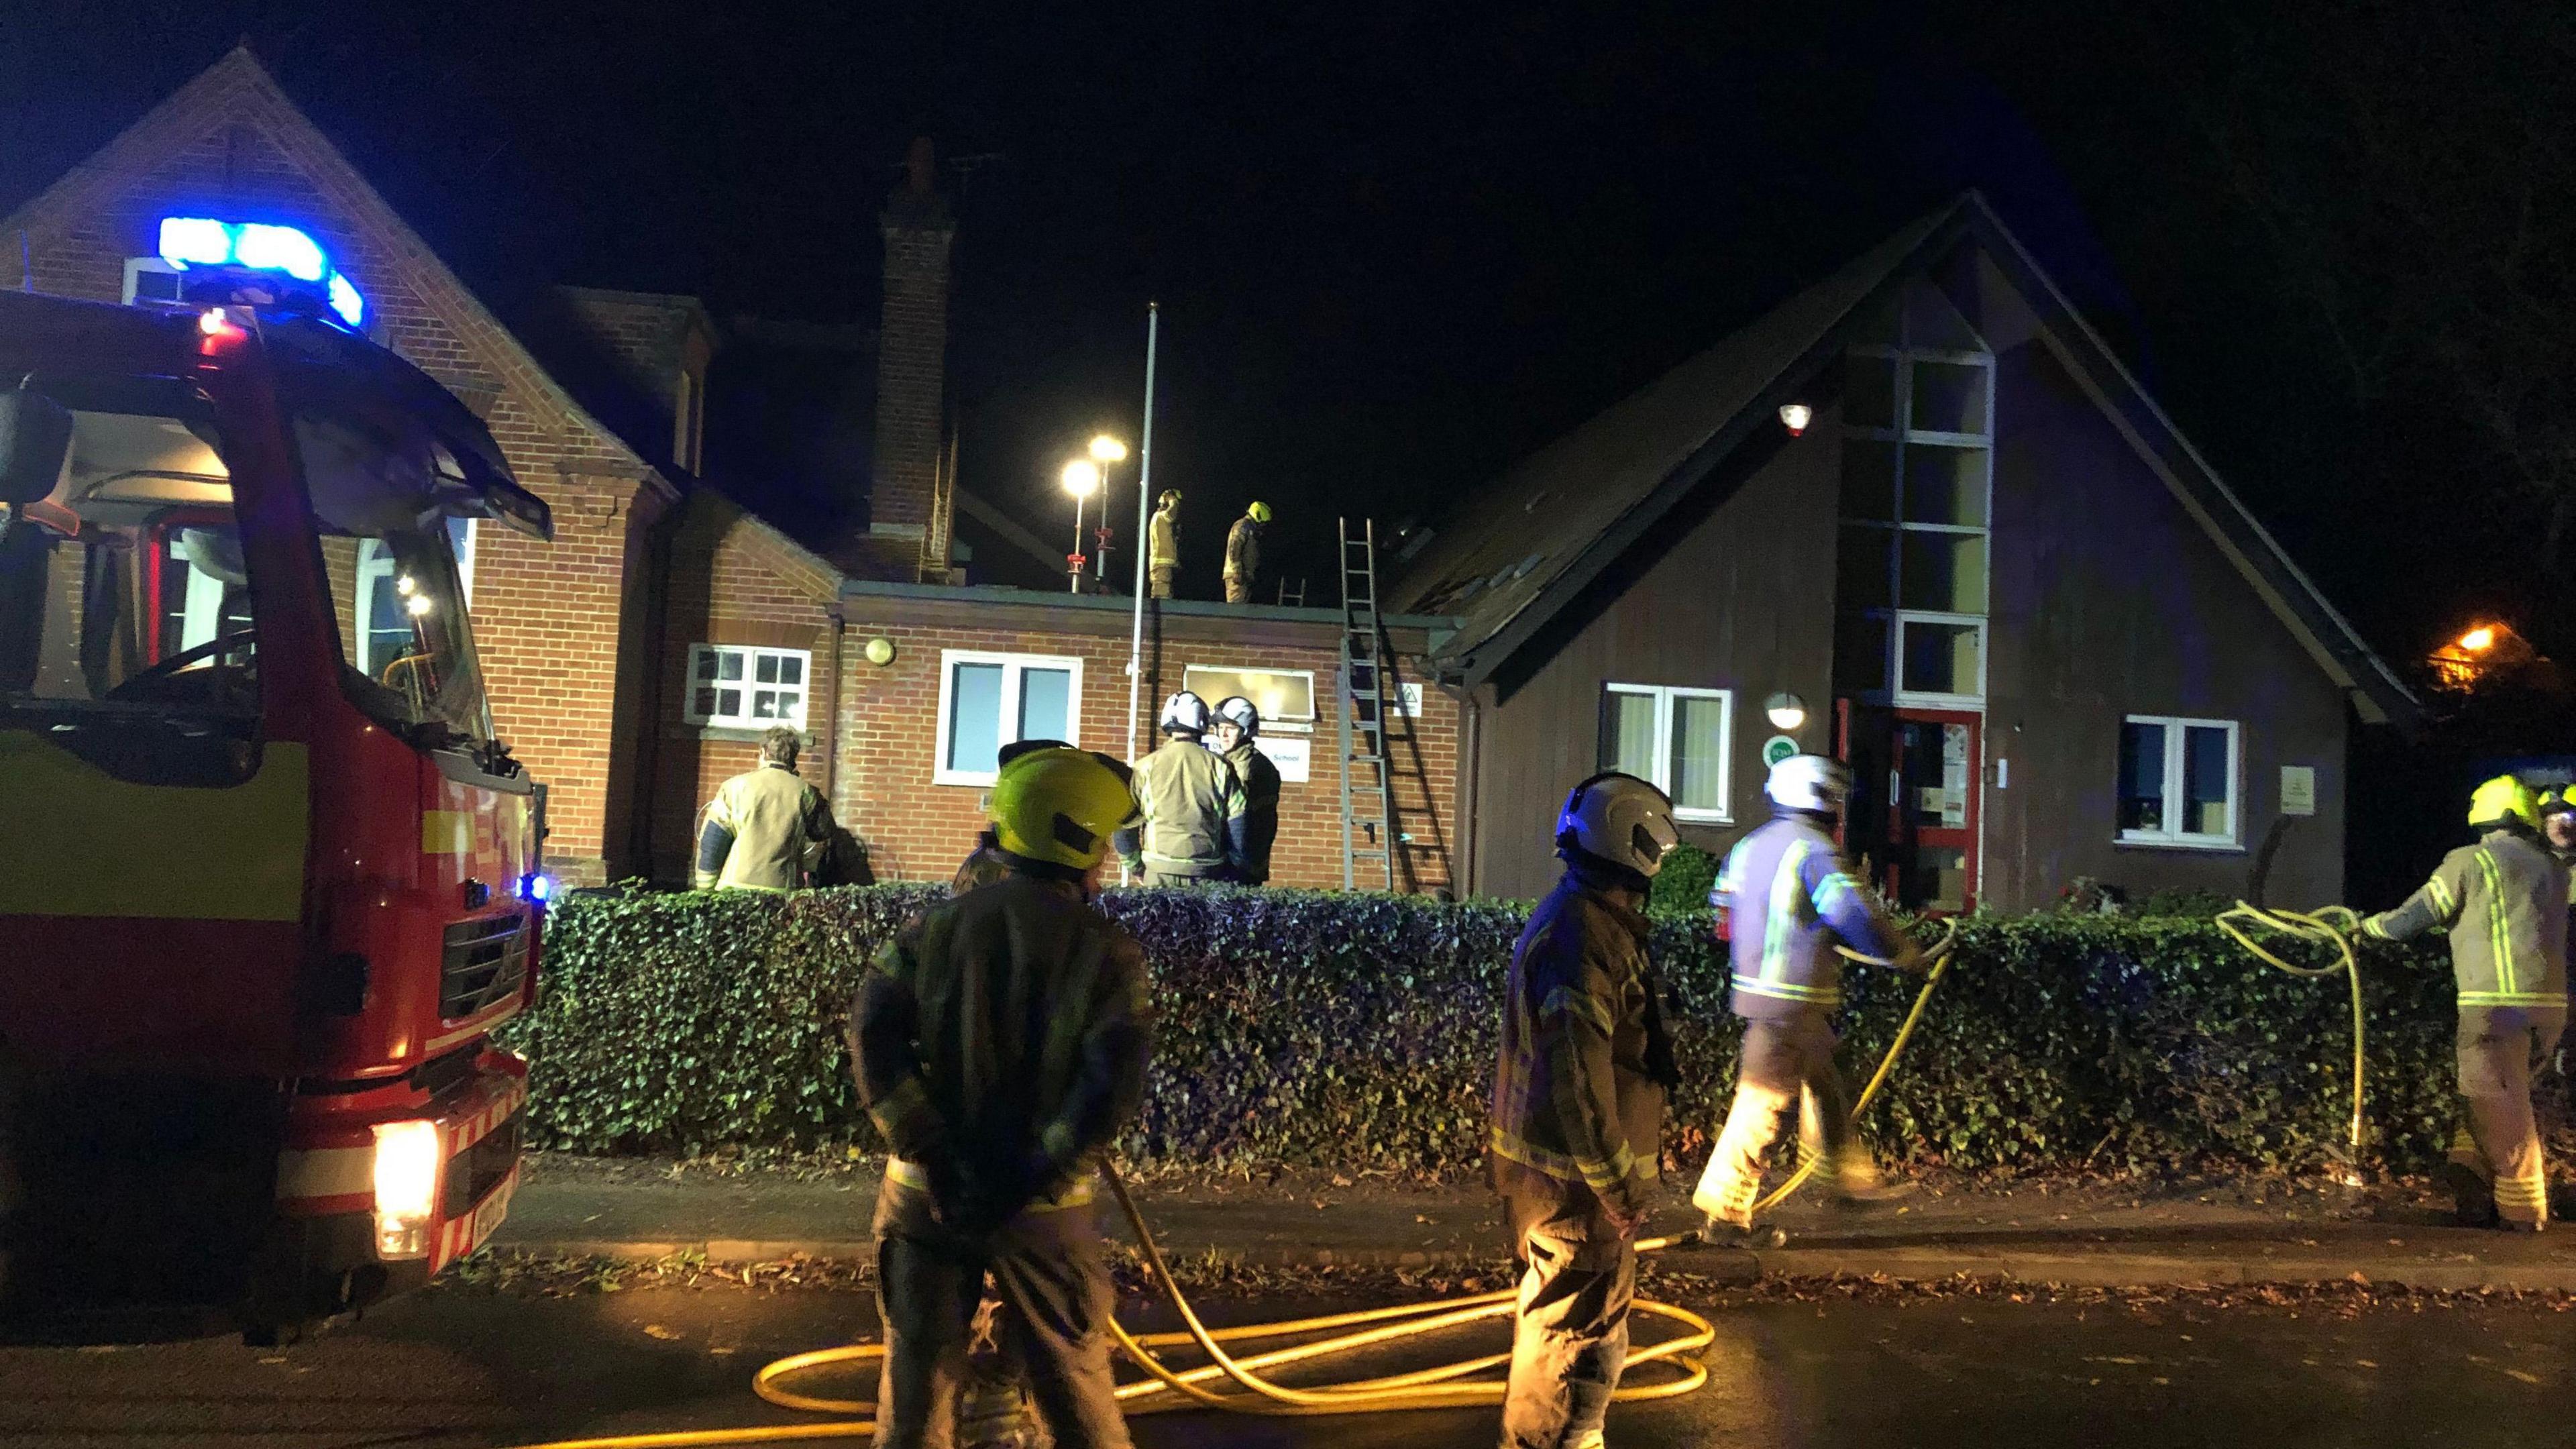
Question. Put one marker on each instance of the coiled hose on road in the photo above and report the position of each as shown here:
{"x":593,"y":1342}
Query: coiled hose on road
{"x":1166,"y":1388}
{"x":2335,"y":926}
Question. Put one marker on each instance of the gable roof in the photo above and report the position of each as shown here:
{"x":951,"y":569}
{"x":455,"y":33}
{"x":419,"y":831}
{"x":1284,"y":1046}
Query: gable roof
{"x":1556,"y":521}
{"x":238,"y":91}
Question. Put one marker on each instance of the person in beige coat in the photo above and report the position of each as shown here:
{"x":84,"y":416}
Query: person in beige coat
{"x":766,"y":828}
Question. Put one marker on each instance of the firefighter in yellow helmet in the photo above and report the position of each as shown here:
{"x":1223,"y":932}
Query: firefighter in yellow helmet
{"x":997,"y":1121}
{"x":2504,"y":901}
{"x":1163,"y":543}
{"x":1243,"y":553}
{"x":1577,"y":1131}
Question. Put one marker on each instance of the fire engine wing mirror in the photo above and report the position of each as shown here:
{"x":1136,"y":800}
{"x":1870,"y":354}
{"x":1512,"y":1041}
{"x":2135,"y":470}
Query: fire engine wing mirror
{"x":35,"y":446}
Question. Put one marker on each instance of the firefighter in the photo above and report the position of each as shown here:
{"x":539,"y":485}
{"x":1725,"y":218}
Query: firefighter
{"x":1243,"y":553}
{"x":1789,"y":899}
{"x":1578,"y":1118}
{"x":1238,"y":720}
{"x":986,"y":863}
{"x":1163,"y":542}
{"x":2558,"y":823}
{"x":997,"y":1120}
{"x":2504,"y":901}
{"x":1193,"y":824}
{"x":766,"y":828}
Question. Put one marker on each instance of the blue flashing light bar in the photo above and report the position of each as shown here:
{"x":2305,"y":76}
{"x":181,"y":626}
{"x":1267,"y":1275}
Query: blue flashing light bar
{"x":196,"y":241}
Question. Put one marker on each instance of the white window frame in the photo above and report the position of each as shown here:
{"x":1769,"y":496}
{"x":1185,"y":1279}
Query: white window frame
{"x":139,"y":266}
{"x":1292,"y":723}
{"x":1006,"y":732}
{"x":752,"y":654}
{"x":2176,"y":750}
{"x":1661,"y":776}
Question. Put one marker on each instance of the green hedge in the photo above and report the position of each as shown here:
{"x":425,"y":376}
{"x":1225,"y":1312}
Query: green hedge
{"x":1357,"y":1032}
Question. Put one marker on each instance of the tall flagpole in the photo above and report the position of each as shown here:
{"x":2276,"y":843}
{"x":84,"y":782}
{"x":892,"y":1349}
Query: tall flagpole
{"x":1144,"y":527}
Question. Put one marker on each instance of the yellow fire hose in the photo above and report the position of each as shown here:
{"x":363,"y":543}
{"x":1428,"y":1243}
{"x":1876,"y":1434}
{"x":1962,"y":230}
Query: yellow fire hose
{"x":1166,"y":1388}
{"x":2335,"y":926}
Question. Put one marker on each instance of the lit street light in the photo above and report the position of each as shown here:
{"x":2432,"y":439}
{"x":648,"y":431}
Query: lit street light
{"x":1081,"y":479}
{"x":1105,"y":450}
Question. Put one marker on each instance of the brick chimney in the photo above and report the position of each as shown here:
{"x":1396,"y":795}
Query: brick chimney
{"x":912,"y":349}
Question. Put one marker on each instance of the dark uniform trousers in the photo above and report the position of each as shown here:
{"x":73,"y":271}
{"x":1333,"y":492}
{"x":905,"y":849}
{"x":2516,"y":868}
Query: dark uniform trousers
{"x":1578,"y":1278}
{"x":1054,"y":1284}
{"x":2500,"y":1048}
{"x":1787,"y":1065}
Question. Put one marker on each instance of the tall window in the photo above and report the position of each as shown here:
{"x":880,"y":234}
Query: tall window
{"x":1678,"y":738}
{"x":735,"y":686}
{"x":1918,"y":414}
{"x":2178,"y":781}
{"x":987,"y":701}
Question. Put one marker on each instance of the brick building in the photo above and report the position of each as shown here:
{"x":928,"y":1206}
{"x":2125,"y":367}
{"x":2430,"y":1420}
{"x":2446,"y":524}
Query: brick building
{"x":743,"y":508}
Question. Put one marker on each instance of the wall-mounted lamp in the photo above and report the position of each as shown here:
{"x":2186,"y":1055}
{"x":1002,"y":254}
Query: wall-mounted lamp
{"x":1795,"y":417}
{"x":880,"y":652}
{"x":1786,"y":711}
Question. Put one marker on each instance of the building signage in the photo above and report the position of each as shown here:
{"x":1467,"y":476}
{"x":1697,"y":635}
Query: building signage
{"x":2298,"y":789}
{"x":1778,"y":748}
{"x":1294,"y":757}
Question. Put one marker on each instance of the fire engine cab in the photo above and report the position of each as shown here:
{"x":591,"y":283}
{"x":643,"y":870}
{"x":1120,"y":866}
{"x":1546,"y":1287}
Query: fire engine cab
{"x":268,"y":880}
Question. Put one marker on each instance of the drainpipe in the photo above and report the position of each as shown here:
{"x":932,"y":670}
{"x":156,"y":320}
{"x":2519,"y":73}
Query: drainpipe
{"x":832,"y":716}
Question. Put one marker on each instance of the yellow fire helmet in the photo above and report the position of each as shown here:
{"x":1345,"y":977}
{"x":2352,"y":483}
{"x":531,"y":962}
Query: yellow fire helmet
{"x":1260,"y":512}
{"x":2503,"y":798}
{"x":1059,"y":805}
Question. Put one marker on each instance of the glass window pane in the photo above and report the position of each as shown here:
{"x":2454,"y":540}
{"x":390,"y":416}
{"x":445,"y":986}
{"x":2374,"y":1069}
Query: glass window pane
{"x":791,"y":670}
{"x":730,"y":666}
{"x":1869,"y":391}
{"x":974,"y":716}
{"x":1699,"y":752}
{"x":1869,"y":480}
{"x":1046,"y":696}
{"x":764,"y":704}
{"x":1940,"y":658}
{"x":706,"y":664}
{"x":1860,"y":654}
{"x":729,"y":703}
{"x":1861,"y":567}
{"x":1945,"y":571}
{"x":765,"y":669}
{"x":790,"y":706}
{"x":1949,"y":397}
{"x":2207,"y":783}
{"x":1945,"y":485}
{"x":2142,"y":776}
{"x":704,"y":703}
{"x":1628,"y":733}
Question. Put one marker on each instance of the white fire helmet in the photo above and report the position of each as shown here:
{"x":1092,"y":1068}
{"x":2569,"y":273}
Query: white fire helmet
{"x":1809,"y":782}
{"x":1185,"y":712}
{"x":1621,"y":819}
{"x":1243,"y":712}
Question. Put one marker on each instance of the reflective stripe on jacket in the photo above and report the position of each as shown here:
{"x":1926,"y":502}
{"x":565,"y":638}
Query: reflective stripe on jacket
{"x":1190,"y":801}
{"x":1580,"y":1081}
{"x":763,"y":831}
{"x":1260,"y":780}
{"x":1007,"y":1028}
{"x":1790,"y":899}
{"x":2504,"y":901}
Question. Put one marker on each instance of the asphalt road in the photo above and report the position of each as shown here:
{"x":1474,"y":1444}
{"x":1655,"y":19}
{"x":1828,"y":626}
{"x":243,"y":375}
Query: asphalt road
{"x":457,"y":1368}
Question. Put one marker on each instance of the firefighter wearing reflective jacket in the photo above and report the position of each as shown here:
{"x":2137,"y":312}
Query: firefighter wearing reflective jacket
{"x":997,"y":1118}
{"x":767,"y":829}
{"x":1237,"y":725}
{"x":1192,"y":830}
{"x":1789,"y":900}
{"x":2504,"y":902}
{"x":1579,"y":1109}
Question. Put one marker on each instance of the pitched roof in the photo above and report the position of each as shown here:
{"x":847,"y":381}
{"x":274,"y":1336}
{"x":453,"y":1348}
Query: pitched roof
{"x":1523,"y":550}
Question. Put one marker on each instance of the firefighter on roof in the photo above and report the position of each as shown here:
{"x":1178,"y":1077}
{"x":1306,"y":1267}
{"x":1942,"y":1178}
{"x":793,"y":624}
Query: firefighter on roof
{"x":1243,"y":553}
{"x":1579,"y":1094}
{"x":1789,"y":901}
{"x":997,"y":1119}
{"x":1163,"y":543}
{"x":2504,"y":902}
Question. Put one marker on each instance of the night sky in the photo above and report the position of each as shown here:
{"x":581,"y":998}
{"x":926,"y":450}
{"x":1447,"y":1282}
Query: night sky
{"x":1397,"y":247}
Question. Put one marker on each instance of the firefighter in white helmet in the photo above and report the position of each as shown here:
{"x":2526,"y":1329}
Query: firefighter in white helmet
{"x":1578,"y":1117}
{"x":1237,"y":724}
{"x":1790,"y":900}
{"x":1192,"y":831}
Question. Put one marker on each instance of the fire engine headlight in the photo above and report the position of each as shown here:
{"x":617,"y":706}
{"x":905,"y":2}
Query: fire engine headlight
{"x":407,"y":1164}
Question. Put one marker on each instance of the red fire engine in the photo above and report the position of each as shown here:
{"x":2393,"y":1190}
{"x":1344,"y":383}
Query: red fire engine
{"x":268,"y":881}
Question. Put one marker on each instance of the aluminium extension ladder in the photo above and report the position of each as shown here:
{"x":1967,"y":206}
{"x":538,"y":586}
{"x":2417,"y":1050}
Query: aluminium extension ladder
{"x":1368,"y":789}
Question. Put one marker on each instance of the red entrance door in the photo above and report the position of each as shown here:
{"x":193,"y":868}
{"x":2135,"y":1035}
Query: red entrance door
{"x":1935,"y":764}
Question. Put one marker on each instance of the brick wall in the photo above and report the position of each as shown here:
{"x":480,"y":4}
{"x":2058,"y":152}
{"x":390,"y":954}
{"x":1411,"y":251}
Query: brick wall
{"x":564,"y":677}
{"x":912,"y":360}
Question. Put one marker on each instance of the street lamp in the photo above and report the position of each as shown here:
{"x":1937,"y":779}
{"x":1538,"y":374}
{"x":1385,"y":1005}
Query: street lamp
{"x":1105,"y":450}
{"x":1081,"y":479}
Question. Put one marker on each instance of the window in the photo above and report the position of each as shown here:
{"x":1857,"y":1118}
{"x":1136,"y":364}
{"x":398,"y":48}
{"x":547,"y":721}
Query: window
{"x":2178,"y":781}
{"x":1678,"y":738}
{"x":987,"y":701}
{"x":736,"y":686}
{"x":1918,"y":413}
{"x":384,"y":626}
{"x":152,"y":282}
{"x":1280,"y":694}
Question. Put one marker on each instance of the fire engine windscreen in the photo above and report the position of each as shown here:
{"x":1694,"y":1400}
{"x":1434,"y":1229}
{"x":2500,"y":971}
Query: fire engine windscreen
{"x":397,"y":583}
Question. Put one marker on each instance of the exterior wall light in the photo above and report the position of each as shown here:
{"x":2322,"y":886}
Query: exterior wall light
{"x":1795,"y":417}
{"x":880,"y":652}
{"x":1786,"y":711}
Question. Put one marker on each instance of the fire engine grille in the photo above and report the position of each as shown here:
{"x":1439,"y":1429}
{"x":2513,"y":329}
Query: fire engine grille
{"x":486,"y":960}
{"x":479,"y":1168}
